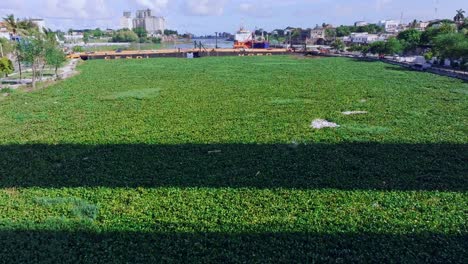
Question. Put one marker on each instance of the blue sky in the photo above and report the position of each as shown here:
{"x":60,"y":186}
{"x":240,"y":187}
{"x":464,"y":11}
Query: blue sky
{"x":208,"y":16}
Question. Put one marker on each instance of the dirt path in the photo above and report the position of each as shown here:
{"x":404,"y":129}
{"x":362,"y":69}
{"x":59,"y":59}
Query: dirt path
{"x":69,"y":70}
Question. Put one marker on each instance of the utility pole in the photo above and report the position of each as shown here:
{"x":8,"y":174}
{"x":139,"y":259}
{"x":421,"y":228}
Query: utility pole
{"x":216,"y":37}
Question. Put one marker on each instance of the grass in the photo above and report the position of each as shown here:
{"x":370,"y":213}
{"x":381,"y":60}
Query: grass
{"x":214,"y":160}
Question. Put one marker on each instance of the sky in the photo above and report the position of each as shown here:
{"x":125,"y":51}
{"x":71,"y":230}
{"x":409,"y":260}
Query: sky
{"x":208,"y":16}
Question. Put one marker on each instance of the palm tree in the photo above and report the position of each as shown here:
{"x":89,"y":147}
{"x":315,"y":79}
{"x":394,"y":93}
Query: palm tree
{"x":11,"y":23}
{"x":460,"y":16}
{"x":18,"y":27}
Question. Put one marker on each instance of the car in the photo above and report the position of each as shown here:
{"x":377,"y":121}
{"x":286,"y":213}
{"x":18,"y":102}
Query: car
{"x":118,"y":51}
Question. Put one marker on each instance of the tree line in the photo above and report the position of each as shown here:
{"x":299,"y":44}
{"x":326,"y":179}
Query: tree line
{"x":445,"y":39}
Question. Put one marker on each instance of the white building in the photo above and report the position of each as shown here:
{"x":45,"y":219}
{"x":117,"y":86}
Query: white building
{"x":360,"y":24}
{"x":390,"y":26}
{"x":40,"y":23}
{"x":152,"y":24}
{"x":421,"y":26}
{"x":126,"y":20}
{"x":362,"y":38}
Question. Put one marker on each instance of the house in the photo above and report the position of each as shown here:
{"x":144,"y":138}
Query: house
{"x":390,"y":26}
{"x":361,"y":38}
{"x":317,"y":36}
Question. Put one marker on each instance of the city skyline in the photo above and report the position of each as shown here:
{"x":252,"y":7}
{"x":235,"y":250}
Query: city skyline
{"x":207,"y":16}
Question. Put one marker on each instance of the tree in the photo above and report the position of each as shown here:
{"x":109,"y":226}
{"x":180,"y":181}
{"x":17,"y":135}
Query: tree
{"x":410,"y":39}
{"x":392,"y":46}
{"x":428,"y":36}
{"x":55,"y":57}
{"x":86,"y":37}
{"x":446,"y":28}
{"x":338,"y":45}
{"x":377,"y":47}
{"x":33,"y":52}
{"x":460,"y":16}
{"x":141,"y":32}
{"x":11,"y":24}
{"x":97,"y":33}
{"x":124,"y":36}
{"x":6,"y":66}
{"x":7,"y":47}
{"x":343,"y":31}
{"x":330,"y":33}
{"x":451,"y":46}
{"x":364,"y":50}
{"x":169,"y":32}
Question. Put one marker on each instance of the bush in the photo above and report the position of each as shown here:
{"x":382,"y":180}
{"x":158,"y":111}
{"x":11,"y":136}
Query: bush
{"x":156,"y":40}
{"x":454,"y":64}
{"x":428,"y":55}
{"x":124,"y":36}
{"x":78,"y":49}
{"x":6,"y":66}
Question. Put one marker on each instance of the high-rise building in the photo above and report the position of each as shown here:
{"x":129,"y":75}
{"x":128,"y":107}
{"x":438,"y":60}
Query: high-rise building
{"x":126,"y":20}
{"x":152,"y":24}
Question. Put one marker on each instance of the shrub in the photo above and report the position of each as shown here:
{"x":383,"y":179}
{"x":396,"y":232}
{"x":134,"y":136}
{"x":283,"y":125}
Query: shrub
{"x":6,"y":66}
{"x":78,"y":49}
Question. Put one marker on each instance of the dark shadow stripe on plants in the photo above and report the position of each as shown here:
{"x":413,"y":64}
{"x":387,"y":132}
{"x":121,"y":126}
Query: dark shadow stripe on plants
{"x":350,"y":166}
{"x":139,"y":247}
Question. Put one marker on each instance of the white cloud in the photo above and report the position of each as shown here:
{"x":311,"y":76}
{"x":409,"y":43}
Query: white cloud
{"x":259,"y":9}
{"x":156,"y":5}
{"x":205,"y":7}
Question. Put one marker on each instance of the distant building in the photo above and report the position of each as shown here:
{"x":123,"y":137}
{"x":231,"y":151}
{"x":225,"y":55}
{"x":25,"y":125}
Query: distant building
{"x":4,"y":33}
{"x":126,"y":20}
{"x":362,"y":38}
{"x":317,"y":36}
{"x":421,"y":26}
{"x":152,"y":24}
{"x":40,"y":23}
{"x":361,"y":24}
{"x":390,"y":26}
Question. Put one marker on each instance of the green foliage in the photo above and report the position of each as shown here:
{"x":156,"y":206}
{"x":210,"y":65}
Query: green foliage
{"x":377,"y":47}
{"x":55,"y":57}
{"x":410,"y":39}
{"x":125,"y":36}
{"x":451,"y":46}
{"x":338,"y":45}
{"x":343,"y":31}
{"x":169,"y":32}
{"x":140,"y":32}
{"x":86,"y":36}
{"x":428,"y":55}
{"x":97,"y":33}
{"x":393,"y":46}
{"x":6,"y":66}
{"x":7,"y":46}
{"x":330,"y":33}
{"x":156,"y":40}
{"x":214,"y":160}
{"x":78,"y":49}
